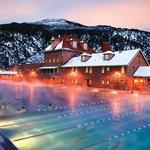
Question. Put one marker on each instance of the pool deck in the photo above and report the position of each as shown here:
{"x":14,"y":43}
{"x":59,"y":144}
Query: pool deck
{"x":5,"y":144}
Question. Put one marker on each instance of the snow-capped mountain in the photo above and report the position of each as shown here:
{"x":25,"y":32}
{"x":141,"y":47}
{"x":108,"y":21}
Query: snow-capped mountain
{"x":24,"y":42}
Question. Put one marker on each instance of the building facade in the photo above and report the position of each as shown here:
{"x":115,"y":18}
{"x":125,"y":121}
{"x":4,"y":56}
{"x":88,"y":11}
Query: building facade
{"x":70,"y":61}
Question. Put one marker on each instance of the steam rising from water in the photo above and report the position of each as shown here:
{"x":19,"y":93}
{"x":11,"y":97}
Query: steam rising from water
{"x":35,"y":95}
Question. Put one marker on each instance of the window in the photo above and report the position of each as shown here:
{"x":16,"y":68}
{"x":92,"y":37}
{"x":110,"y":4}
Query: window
{"x":57,"y":60}
{"x":54,"y":71}
{"x":72,"y":69}
{"x":53,"y":60}
{"x":106,"y":57}
{"x":76,"y":69}
{"x":86,"y":70}
{"x":122,"y":69}
{"x":90,"y":70}
{"x":57,"y":70}
{"x":90,"y":82}
{"x":76,"y":81}
{"x":108,"y":69}
{"x":103,"y":82}
{"x":138,"y":59}
{"x":49,"y":60}
{"x":107,"y":82}
{"x":83,"y":58}
{"x":103,"y":70}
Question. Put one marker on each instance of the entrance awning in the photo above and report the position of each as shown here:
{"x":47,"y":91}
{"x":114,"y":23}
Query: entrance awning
{"x":48,"y":67}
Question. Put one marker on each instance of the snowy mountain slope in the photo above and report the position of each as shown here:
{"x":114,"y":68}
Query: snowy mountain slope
{"x":24,"y":42}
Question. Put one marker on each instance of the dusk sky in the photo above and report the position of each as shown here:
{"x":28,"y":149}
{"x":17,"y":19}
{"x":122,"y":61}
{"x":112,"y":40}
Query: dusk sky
{"x":118,"y":13}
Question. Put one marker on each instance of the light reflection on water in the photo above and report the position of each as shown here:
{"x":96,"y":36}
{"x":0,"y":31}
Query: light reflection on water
{"x":33,"y":95}
{"x":36,"y":95}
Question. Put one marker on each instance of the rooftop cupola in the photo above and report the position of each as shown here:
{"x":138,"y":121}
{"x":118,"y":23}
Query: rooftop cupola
{"x":85,"y":57}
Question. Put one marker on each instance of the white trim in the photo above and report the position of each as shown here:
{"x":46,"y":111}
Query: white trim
{"x":48,"y":67}
{"x":6,"y":72}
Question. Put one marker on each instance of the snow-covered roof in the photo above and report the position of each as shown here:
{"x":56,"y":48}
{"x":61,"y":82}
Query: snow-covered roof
{"x":59,"y":46}
{"x":119,"y":59}
{"x":86,"y":54}
{"x":109,"y":52}
{"x":49,"y":48}
{"x":49,"y":67}
{"x":6,"y":72}
{"x":143,"y":71}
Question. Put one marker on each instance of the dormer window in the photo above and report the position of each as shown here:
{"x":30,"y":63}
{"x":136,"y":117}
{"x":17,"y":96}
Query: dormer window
{"x":108,"y":55}
{"x":85,"y":57}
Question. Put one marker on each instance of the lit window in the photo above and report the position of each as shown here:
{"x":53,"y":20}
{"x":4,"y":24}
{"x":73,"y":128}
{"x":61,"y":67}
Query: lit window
{"x":63,"y":80}
{"x":106,"y":57}
{"x":122,"y":69}
{"x":107,"y":82}
{"x":53,"y":60}
{"x":76,"y":69}
{"x":86,"y":70}
{"x":57,"y":60}
{"x":57,"y":70}
{"x":103,"y":70}
{"x":108,"y":69}
{"x":90,"y":82}
{"x":76,"y":81}
{"x":72,"y":69}
{"x":90,"y":71}
{"x":103,"y":82}
{"x":83,"y":58}
{"x":141,"y":81}
{"x":49,"y":60}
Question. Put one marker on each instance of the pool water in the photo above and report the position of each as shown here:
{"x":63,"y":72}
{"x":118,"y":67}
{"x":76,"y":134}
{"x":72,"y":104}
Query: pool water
{"x":76,"y":119}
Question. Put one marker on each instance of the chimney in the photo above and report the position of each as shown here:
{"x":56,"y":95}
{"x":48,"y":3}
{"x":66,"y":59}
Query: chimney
{"x":85,"y":57}
{"x":74,"y":43}
{"x":84,"y":45}
{"x":55,"y":41}
{"x":106,"y":47}
{"x":108,"y":54}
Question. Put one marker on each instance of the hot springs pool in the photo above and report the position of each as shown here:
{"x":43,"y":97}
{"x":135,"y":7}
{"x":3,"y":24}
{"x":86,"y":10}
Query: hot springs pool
{"x":58,"y":118}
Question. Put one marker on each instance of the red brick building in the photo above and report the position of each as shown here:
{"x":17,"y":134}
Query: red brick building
{"x":70,"y":61}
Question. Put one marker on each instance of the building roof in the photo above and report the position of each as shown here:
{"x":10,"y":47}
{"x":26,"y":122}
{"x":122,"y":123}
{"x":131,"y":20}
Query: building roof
{"x":143,"y":71}
{"x":6,"y":72}
{"x":122,"y":58}
{"x":65,"y":44}
{"x":49,"y":48}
